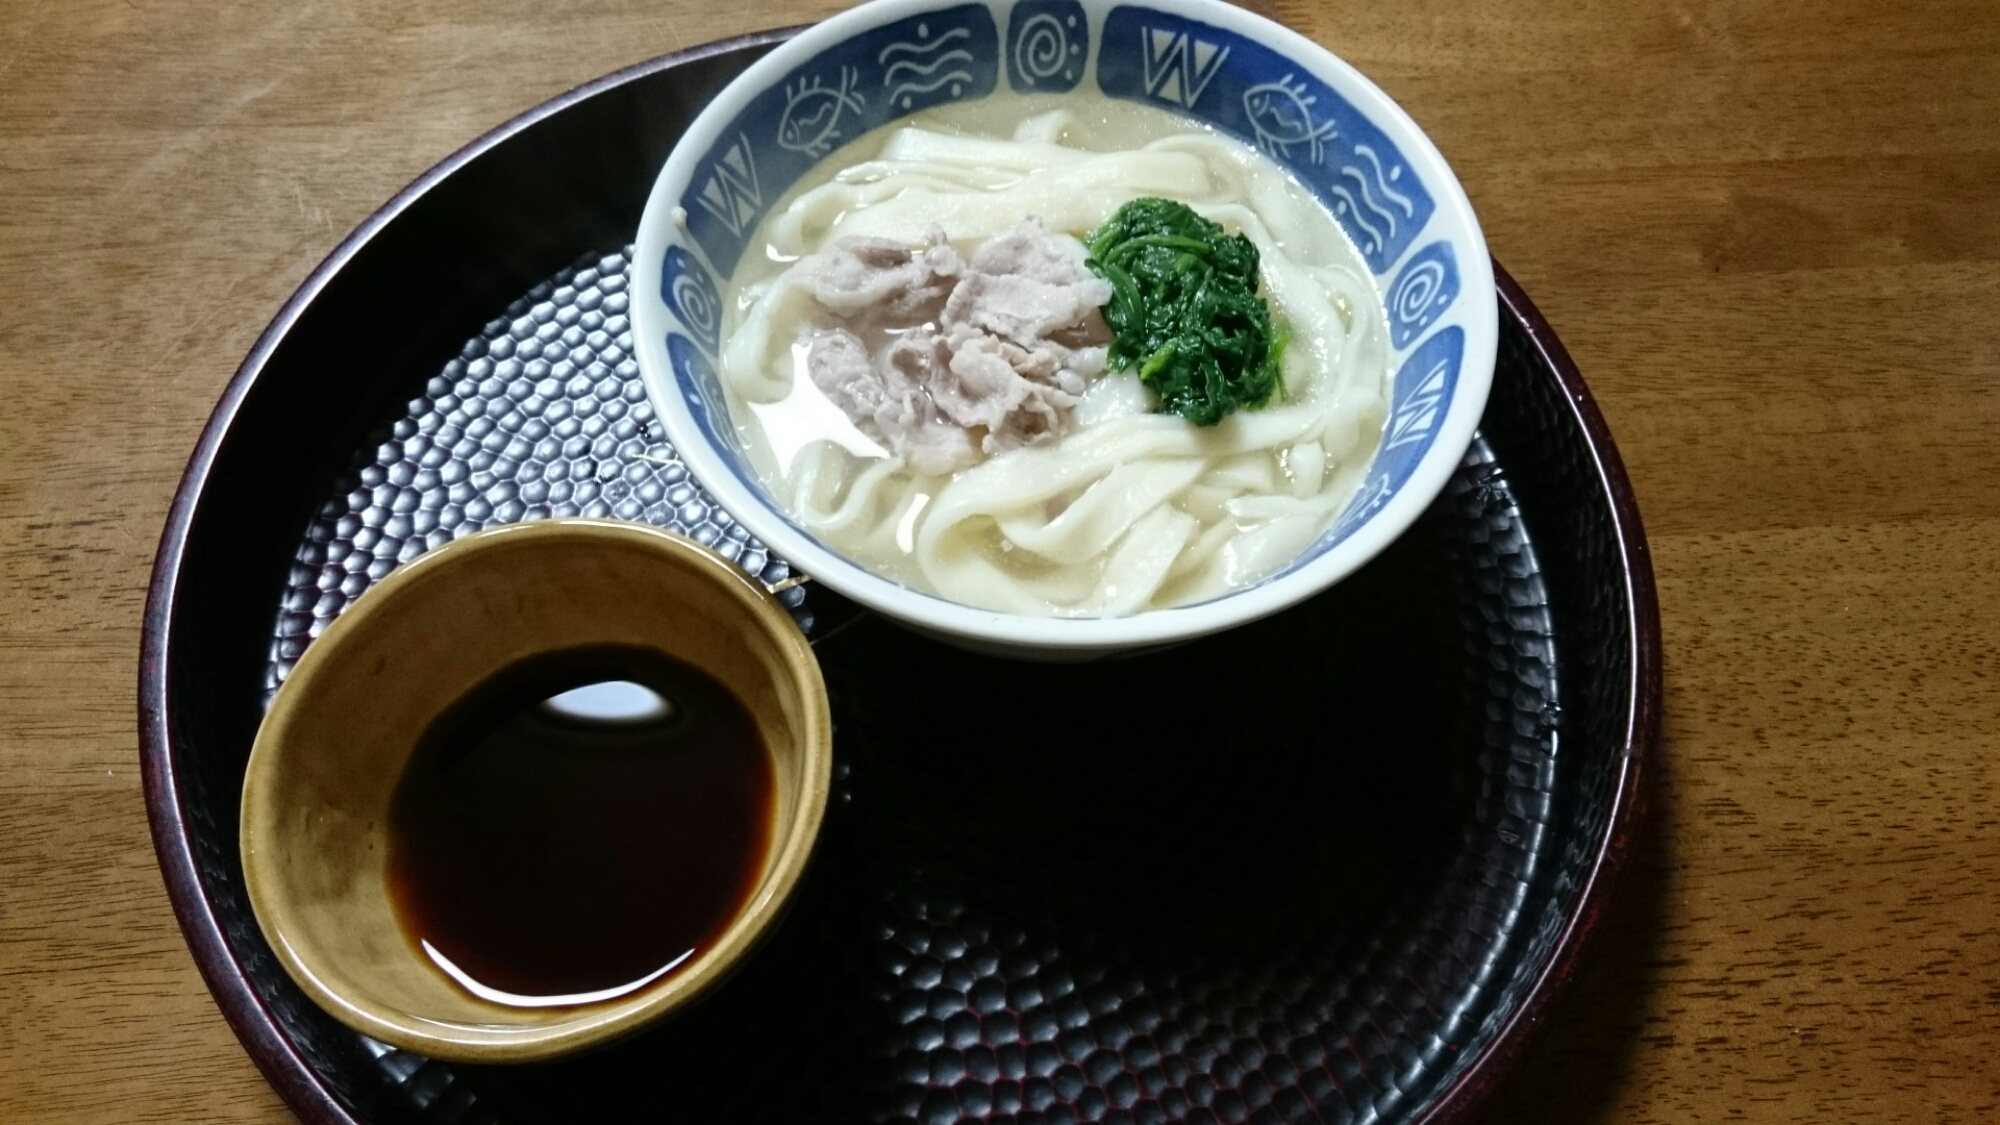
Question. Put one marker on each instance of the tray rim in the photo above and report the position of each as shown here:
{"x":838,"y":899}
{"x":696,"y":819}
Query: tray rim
{"x":300,"y":1086}
{"x":1462,"y":1101}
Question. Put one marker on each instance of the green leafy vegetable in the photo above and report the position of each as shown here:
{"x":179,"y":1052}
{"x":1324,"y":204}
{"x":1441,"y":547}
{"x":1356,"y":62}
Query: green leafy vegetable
{"x":1184,"y":310}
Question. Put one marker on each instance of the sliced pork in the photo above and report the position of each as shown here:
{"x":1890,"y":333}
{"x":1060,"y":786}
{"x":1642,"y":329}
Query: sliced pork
{"x":889,"y":400}
{"x":887,"y":281}
{"x":985,"y":391}
{"x":984,"y":355}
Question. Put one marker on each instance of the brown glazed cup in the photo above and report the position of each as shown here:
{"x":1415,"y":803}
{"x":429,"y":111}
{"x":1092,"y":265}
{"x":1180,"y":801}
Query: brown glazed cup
{"x":336,"y":740}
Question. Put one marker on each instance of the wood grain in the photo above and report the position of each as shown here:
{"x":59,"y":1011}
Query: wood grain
{"x":1767,"y":231}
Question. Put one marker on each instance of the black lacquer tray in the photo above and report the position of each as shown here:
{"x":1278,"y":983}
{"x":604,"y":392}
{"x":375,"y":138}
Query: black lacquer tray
{"x":1327,"y":867}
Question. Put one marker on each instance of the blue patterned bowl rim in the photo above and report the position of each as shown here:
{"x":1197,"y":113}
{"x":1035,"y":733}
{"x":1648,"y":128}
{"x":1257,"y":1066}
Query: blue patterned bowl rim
{"x":1338,"y":133}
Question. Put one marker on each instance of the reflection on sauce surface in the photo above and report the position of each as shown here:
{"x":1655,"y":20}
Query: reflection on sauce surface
{"x":579,"y":825}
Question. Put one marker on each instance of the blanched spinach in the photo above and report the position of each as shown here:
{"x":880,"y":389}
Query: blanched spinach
{"x":1184,"y":310}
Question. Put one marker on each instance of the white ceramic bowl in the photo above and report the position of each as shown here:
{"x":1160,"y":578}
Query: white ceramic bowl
{"x":1360,"y":155}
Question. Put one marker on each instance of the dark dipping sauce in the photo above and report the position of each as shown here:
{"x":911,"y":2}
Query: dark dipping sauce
{"x":553,"y":853}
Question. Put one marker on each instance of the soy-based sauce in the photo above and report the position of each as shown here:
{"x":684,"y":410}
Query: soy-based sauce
{"x":550,"y":845}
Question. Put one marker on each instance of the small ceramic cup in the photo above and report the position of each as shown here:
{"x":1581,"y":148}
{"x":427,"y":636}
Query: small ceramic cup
{"x":337,"y":738}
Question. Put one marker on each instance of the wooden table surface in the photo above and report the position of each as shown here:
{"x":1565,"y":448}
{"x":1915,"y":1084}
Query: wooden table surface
{"x":1768,"y":232}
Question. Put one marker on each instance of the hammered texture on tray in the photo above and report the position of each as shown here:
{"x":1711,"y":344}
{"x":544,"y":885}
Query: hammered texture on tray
{"x":543,"y":414}
{"x":1290,"y":873}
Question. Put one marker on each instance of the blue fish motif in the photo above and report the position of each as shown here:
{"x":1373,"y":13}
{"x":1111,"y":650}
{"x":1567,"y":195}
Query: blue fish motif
{"x":1250,"y":90}
{"x":811,"y":119}
{"x":1281,"y":114}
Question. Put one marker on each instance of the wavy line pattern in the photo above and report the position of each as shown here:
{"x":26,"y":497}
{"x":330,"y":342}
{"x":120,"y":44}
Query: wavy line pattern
{"x":909,"y":88}
{"x":951,"y":36}
{"x":1366,"y":199}
{"x":1381,"y":181}
{"x":906,"y":67}
{"x":1352,"y":209}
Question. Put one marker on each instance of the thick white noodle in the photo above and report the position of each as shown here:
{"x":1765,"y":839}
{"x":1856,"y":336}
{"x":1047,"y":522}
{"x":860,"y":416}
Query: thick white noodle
{"x":1128,"y":510}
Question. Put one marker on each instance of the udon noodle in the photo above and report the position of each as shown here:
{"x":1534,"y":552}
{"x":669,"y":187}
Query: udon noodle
{"x":1120,"y":509}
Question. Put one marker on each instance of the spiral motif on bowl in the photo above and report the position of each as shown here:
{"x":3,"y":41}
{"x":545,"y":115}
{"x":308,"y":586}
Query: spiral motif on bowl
{"x":1425,"y":288}
{"x":1041,"y":47}
{"x":1046,"y":45}
{"x":692,"y":297}
{"x":1414,"y":291}
{"x":695,"y":305}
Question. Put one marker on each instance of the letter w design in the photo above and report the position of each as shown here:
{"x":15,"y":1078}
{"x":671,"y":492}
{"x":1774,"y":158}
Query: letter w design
{"x":1414,"y":419}
{"x":1178,"y":66}
{"x":731,"y":194}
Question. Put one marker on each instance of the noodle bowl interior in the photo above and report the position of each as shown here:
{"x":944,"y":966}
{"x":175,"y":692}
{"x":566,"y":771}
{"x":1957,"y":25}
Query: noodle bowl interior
{"x":916,"y":367}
